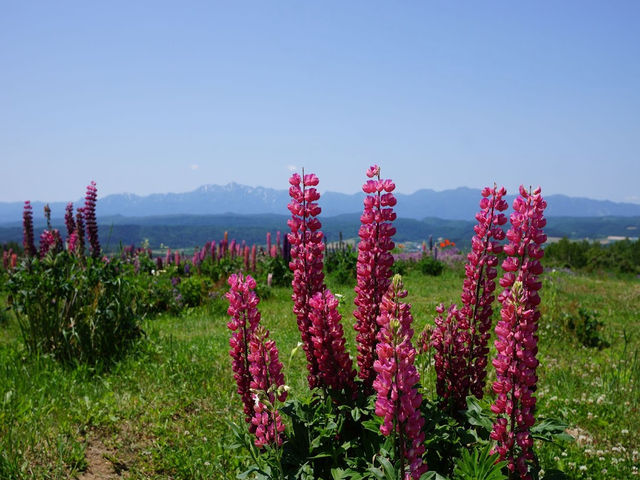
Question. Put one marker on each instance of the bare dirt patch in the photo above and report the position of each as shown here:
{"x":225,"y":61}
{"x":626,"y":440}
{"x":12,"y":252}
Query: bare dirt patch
{"x":100,"y":467}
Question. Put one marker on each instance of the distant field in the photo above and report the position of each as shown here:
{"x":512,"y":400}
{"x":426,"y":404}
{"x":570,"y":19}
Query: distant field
{"x":162,"y":411}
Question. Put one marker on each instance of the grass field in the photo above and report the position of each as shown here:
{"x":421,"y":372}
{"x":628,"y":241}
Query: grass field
{"x":162,"y":411}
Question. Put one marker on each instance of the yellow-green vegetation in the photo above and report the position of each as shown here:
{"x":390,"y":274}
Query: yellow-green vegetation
{"x":162,"y":411}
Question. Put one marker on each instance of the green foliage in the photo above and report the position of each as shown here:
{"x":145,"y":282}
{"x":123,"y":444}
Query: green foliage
{"x":430,"y":266}
{"x":75,"y":309}
{"x":587,"y":328}
{"x":340,"y":264}
{"x":479,"y":464}
{"x":620,"y":257}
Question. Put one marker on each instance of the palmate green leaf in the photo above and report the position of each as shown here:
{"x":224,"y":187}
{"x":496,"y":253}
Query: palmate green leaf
{"x":551,"y":430}
{"x":476,"y":415}
{"x":479,"y":465}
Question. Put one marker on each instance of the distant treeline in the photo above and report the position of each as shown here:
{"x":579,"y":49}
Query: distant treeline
{"x":622,"y":256}
{"x":188,"y":231}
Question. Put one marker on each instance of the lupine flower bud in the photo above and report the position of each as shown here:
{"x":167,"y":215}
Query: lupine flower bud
{"x":398,"y":400}
{"x":373,"y":268}
{"x":245,"y":318}
{"x":479,"y":283}
{"x":27,"y":226}
{"x":335,"y":370}
{"x":267,"y":386}
{"x":90,"y":218}
{"x":516,"y":339}
{"x":306,"y":259}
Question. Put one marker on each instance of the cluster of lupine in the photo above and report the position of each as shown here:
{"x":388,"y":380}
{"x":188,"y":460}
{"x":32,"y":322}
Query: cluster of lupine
{"x":255,"y":363}
{"x":458,"y":339}
{"x":51,"y":240}
{"x":373,"y":267}
{"x":9,"y":259}
{"x":307,"y":249}
{"x":517,"y":342}
{"x":398,"y":400}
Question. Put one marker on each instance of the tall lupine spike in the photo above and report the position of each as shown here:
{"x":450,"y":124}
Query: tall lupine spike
{"x":253,"y":257}
{"x":398,"y":400}
{"x":517,"y":342}
{"x":245,"y":318}
{"x":373,"y":268}
{"x":69,"y":221}
{"x":450,"y":341}
{"x":267,"y":386}
{"x":335,"y":369}
{"x":479,"y":284}
{"x":306,"y":259}
{"x":27,"y":230}
{"x":91,"y":220}
{"x":245,"y":255}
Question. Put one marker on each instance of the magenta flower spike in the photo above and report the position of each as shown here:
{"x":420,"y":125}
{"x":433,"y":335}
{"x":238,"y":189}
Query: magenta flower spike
{"x":335,"y":369}
{"x":253,"y":257}
{"x":479,"y":284}
{"x":516,"y":339}
{"x":450,"y":342}
{"x":27,"y":230}
{"x":245,"y":318}
{"x":307,"y":250}
{"x":245,"y":255}
{"x":373,"y":267}
{"x":90,"y":219}
{"x":267,"y":386}
{"x":69,"y":220}
{"x":398,"y":400}
{"x":269,"y":242}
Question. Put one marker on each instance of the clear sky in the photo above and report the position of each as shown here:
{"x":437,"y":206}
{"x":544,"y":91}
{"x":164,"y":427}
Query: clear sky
{"x":156,"y":96}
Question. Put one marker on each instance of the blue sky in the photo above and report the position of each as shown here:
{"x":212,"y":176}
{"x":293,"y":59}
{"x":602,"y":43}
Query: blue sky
{"x":148,"y":97}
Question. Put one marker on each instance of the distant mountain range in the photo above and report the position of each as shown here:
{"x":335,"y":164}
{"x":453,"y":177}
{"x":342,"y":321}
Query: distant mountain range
{"x":456,"y":204}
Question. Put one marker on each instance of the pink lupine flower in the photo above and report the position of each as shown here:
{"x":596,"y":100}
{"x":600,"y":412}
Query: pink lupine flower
{"x":373,"y":268}
{"x":27,"y":226}
{"x":516,"y":339}
{"x":450,"y":341}
{"x":245,"y":318}
{"x":306,"y":259}
{"x":335,"y":369}
{"x":69,"y":220}
{"x":269,"y":242}
{"x":90,"y":218}
{"x":14,"y":260}
{"x":176,"y":258}
{"x":5,"y":259}
{"x":267,"y":386}
{"x":479,"y":284}
{"x":213,"y":250}
{"x":72,"y":243}
{"x":253,"y":257}
{"x":50,"y":241}
{"x":232,"y":248}
{"x":246,"y":258}
{"x":398,"y":400}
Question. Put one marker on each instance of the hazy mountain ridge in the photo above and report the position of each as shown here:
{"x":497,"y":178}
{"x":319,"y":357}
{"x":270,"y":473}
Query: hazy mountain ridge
{"x":455,"y":204}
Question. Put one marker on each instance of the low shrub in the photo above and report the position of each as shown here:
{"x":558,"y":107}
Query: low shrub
{"x":74,"y":308}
